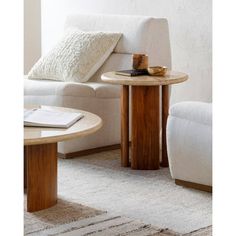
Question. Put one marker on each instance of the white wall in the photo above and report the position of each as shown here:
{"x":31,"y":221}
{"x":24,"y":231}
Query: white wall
{"x":32,"y":33}
{"x":190,"y":34}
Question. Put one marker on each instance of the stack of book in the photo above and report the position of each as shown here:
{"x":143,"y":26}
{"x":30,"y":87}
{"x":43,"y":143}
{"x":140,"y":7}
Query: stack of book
{"x":133,"y":72}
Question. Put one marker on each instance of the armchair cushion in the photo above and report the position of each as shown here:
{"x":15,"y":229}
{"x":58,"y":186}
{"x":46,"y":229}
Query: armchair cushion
{"x":189,"y":142}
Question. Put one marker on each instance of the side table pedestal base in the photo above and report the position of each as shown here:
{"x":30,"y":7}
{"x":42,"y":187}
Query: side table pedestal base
{"x":145,"y":127}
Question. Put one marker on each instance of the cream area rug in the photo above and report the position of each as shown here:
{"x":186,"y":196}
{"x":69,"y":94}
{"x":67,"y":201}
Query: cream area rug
{"x":93,"y":187}
{"x":98,"y":181}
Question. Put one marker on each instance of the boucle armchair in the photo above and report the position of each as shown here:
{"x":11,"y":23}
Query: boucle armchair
{"x":189,"y":144}
{"x":139,"y":34}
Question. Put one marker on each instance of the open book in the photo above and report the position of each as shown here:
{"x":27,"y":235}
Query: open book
{"x":50,"y":118}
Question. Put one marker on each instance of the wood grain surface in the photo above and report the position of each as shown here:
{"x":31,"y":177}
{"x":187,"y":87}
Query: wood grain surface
{"x":41,"y":176}
{"x":187,"y":184}
{"x":145,"y":127}
{"x":165,"y":111}
{"x":125,"y":126}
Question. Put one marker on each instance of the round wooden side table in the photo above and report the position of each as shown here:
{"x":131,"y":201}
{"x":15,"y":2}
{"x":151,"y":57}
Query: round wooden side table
{"x":146,"y":110}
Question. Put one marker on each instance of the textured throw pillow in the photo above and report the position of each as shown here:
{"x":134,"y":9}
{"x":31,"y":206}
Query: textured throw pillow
{"x":76,"y":57}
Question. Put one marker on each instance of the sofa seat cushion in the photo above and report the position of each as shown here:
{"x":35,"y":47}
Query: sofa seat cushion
{"x":199,"y":112}
{"x":90,"y":89}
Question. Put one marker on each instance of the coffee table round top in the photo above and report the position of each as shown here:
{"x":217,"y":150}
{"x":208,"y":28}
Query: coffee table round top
{"x":90,"y":123}
{"x":171,"y":77}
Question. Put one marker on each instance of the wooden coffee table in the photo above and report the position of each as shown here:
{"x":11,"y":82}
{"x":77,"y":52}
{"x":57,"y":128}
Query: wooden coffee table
{"x":146,"y":120}
{"x":40,"y":157}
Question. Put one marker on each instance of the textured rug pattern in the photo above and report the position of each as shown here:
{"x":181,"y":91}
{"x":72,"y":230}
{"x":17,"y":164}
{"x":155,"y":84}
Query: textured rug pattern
{"x":98,"y":181}
{"x":106,"y":225}
{"x":110,"y":225}
{"x":63,"y":212}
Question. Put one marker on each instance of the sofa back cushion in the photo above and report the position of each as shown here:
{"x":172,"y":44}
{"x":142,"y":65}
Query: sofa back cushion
{"x":140,"y":34}
{"x":116,"y":61}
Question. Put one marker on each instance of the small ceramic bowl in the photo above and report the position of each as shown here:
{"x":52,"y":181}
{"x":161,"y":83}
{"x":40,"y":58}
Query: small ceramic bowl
{"x":157,"y":70}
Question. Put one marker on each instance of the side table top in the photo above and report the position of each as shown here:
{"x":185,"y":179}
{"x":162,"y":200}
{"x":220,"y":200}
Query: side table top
{"x":90,"y":123}
{"x":171,"y":77}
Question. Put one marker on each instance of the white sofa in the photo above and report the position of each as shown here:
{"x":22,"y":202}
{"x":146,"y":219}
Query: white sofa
{"x":140,"y":35}
{"x":189,"y":144}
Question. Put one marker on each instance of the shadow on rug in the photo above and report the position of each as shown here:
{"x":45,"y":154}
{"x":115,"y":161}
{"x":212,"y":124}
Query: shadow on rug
{"x":62,"y":213}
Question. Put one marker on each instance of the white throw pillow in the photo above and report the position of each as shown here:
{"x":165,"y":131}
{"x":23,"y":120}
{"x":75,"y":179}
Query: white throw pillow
{"x":76,"y":57}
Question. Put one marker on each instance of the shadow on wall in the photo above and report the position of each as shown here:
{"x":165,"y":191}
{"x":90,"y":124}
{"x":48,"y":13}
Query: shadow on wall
{"x":32,"y":33}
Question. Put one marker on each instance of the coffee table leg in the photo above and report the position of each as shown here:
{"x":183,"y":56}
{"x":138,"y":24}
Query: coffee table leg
{"x":145,"y":127}
{"x":41,"y":176}
{"x":125,"y":126}
{"x":165,"y":111}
